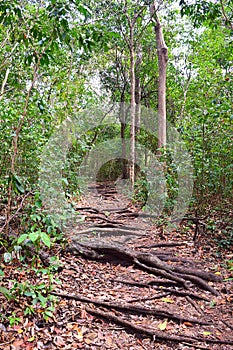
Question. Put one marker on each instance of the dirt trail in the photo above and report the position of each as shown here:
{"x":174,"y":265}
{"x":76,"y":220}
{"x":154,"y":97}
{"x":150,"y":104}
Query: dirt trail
{"x":110,"y":220}
{"x":127,"y":284}
{"x":109,"y":216}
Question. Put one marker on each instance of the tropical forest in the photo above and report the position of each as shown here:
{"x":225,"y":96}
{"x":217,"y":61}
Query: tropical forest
{"x":116,"y":162}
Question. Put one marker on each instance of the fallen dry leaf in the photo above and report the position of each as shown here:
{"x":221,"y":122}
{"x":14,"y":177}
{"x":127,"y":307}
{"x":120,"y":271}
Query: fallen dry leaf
{"x":167,"y":300}
{"x":162,"y":326}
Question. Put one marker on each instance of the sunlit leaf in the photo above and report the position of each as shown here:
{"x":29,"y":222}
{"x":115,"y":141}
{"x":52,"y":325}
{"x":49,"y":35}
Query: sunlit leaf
{"x":167,"y":300}
{"x":206,"y":333}
{"x":163,"y":326}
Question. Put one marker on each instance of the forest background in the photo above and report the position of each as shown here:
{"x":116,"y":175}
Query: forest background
{"x":60,"y":57}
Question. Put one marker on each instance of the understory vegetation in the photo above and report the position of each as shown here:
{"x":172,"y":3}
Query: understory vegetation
{"x":60,"y":59}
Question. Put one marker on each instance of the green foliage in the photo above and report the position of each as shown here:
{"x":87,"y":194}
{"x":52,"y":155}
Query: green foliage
{"x":204,"y":115}
{"x":53,"y":52}
{"x":110,"y":171}
{"x":37,"y":297}
{"x":40,"y":227}
{"x":226,"y":240}
{"x":141,"y":189}
{"x":207,"y":12}
{"x":230,"y":265}
{"x":34,"y":297}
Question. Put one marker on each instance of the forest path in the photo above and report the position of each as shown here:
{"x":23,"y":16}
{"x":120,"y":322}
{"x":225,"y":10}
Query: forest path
{"x":110,"y":216}
{"x":126,"y":284}
{"x":112,"y":281}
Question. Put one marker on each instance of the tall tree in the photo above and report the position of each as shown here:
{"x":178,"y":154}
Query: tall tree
{"x":162,"y":53}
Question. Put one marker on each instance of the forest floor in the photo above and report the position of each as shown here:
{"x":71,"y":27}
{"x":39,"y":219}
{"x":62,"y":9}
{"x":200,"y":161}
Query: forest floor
{"x":112,"y":302}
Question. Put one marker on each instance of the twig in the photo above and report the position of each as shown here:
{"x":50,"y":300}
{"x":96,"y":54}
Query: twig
{"x":225,"y":15}
{"x":192,"y":302}
{"x":14,"y":215}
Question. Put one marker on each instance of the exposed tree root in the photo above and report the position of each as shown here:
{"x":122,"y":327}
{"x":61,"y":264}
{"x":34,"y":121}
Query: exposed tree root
{"x":110,"y":231}
{"x":103,"y":218}
{"x":177,"y":276}
{"x":196,"y":307}
{"x":161,"y":272}
{"x":152,"y":260}
{"x":185,"y":294}
{"x":118,"y":226}
{"x":148,"y":262}
{"x":128,"y":308}
{"x":160,"y":282}
{"x":129,"y":214}
{"x":163,"y":244}
{"x":157,"y":296}
{"x":88,"y":209}
{"x":167,"y":257}
{"x":153,"y":333}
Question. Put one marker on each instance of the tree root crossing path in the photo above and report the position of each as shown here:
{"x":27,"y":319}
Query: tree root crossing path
{"x":130,"y":284}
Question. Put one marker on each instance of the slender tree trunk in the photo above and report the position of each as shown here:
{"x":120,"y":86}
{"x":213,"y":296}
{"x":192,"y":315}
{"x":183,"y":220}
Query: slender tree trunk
{"x":186,"y":87}
{"x":4,"y":83}
{"x":123,"y":126}
{"x":132,"y":107}
{"x":162,"y":53}
{"x":130,"y":42}
{"x":138,"y":92}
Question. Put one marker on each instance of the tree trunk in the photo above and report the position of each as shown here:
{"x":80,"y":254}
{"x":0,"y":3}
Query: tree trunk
{"x":132,"y":107}
{"x":162,"y":53}
{"x":123,"y":126}
{"x":138,"y":92}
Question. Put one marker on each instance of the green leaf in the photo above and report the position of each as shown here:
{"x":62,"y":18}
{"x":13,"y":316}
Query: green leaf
{"x":22,"y":238}
{"x":5,"y":292}
{"x":18,"y":187}
{"x":42,"y":299}
{"x":33,"y":236}
{"x":35,"y":217}
{"x":45,"y":239}
{"x":48,"y":313}
{"x":65,"y":181}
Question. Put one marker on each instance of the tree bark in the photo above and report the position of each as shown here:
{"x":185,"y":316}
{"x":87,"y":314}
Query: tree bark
{"x":138,"y":92}
{"x":132,"y":106}
{"x":162,"y":53}
{"x":123,"y":126}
